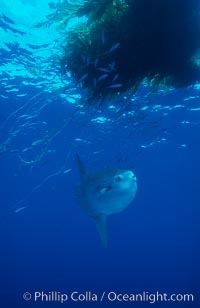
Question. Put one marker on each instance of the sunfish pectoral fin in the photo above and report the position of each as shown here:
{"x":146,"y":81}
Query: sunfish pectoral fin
{"x":101,"y":227}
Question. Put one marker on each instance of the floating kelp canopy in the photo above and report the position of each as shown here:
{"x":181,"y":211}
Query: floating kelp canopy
{"x":124,"y":42}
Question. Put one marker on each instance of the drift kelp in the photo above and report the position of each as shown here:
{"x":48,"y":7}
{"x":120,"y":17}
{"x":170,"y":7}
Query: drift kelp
{"x":91,"y":50}
{"x":124,"y":42}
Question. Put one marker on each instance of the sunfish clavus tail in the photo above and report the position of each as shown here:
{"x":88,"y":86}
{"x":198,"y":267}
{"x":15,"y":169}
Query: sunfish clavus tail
{"x":104,"y":193}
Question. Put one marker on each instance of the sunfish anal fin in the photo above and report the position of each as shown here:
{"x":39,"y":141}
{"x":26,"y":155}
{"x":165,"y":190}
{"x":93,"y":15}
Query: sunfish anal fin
{"x":101,"y":227}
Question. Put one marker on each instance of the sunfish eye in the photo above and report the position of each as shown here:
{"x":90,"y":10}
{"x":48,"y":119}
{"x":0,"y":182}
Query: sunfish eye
{"x":119,"y":178}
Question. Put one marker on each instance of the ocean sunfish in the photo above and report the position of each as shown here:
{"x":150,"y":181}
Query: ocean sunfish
{"x":104,"y":193}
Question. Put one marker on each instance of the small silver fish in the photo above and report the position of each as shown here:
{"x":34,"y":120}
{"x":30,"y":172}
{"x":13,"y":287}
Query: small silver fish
{"x":96,"y":63}
{"x":103,"y":37}
{"x":21,"y":209}
{"x":39,"y":141}
{"x":95,"y":82}
{"x":112,"y":65}
{"x":115,"y":86}
{"x":83,"y":77}
{"x":114,"y":47}
{"x":115,"y":78}
{"x":66,"y":171}
{"x":84,"y":58}
{"x":105,"y":70}
{"x":102,"y":77}
{"x":87,"y":61}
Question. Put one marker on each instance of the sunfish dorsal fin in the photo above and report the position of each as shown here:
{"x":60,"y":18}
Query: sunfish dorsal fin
{"x":81,"y":168}
{"x":101,"y":227}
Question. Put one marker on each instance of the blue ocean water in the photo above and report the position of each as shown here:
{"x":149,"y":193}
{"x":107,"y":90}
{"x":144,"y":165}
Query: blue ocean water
{"x":47,"y":243}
